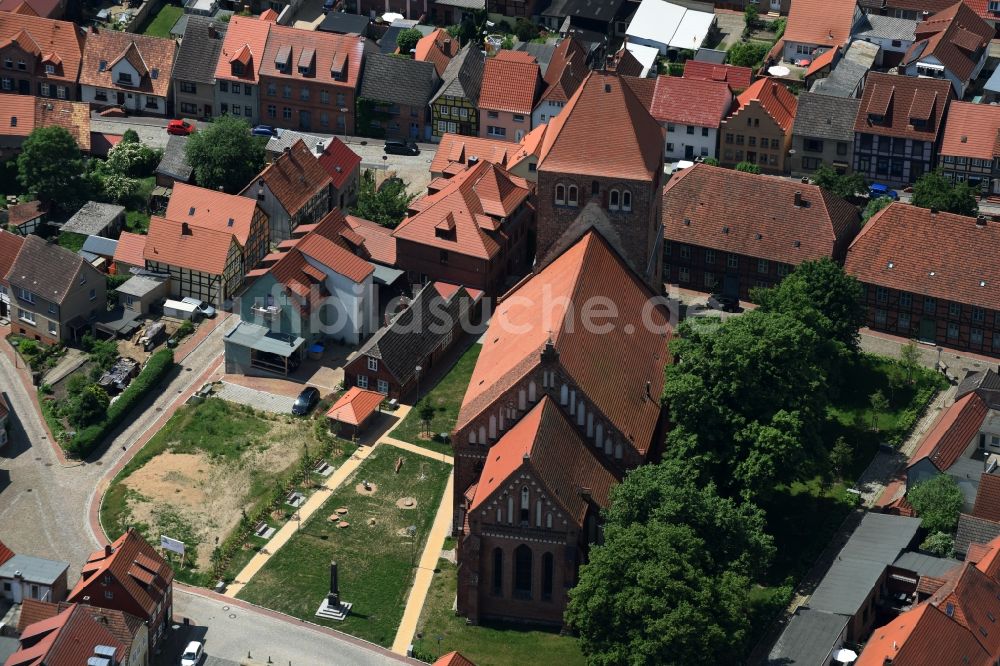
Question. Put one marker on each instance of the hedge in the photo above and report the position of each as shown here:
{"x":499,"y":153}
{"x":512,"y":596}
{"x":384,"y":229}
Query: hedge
{"x":84,"y":442}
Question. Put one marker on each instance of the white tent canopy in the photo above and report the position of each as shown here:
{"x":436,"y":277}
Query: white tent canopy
{"x":664,"y":25}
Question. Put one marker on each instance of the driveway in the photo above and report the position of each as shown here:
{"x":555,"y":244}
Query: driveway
{"x":262,"y":400}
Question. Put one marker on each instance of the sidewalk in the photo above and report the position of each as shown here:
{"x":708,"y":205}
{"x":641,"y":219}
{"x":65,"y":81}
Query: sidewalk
{"x":289,"y":529}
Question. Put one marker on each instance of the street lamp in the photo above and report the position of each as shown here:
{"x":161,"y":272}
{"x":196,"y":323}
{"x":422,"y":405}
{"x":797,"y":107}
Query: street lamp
{"x":416,"y":371}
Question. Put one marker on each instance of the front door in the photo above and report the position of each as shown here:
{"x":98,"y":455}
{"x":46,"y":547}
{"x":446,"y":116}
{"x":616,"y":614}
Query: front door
{"x":121,"y":99}
{"x":731,"y":287}
{"x":689,"y":152}
{"x":928,"y":329}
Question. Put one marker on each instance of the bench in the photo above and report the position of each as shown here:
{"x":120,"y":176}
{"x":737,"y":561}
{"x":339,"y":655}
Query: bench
{"x":323,"y":469}
{"x":263,"y":530}
{"x":295,"y":499}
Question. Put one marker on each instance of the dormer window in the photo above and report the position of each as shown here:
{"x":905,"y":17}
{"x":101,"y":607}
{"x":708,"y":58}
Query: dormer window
{"x":283,"y":60}
{"x":338,"y":69}
{"x":237,"y":68}
{"x":102,"y":66}
{"x":876,"y":118}
{"x":50,"y":69}
{"x":307,"y":62}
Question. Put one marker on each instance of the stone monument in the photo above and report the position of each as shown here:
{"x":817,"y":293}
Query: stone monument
{"x":332,"y":607}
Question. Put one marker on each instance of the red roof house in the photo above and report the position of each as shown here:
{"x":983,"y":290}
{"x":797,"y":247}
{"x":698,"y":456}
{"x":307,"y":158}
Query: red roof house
{"x":954,"y":41}
{"x":680,"y":103}
{"x":738,"y":78}
{"x":344,"y":168}
{"x":512,"y":81}
{"x":768,"y":108}
{"x":355,"y":408}
{"x":70,"y":638}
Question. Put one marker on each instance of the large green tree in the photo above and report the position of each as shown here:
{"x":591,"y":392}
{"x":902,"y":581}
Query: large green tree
{"x":843,"y":185}
{"x":934,"y":190}
{"x":51,"y":168}
{"x":937,"y":501}
{"x":225,"y":154}
{"x":670,"y":584}
{"x":747,"y":399}
{"x":747,"y":54}
{"x":407,"y":40}
{"x":386,"y":205}
{"x":874,"y":206}
{"x":823,"y":297}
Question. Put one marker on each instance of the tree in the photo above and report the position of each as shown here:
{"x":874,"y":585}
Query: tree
{"x":933,"y":190}
{"x":841,"y":456}
{"x":940,"y":544}
{"x":525,"y":30}
{"x":51,"y":168}
{"x":711,"y":161}
{"x":130,"y":136}
{"x":225,"y":154}
{"x":747,"y":399}
{"x":120,"y":188}
{"x":747,"y":54}
{"x":874,"y":206}
{"x":386,"y":205}
{"x":938,"y":502}
{"x":102,"y":353}
{"x":751,"y":19}
{"x":747,"y":167}
{"x":823,"y":297}
{"x":407,"y":40}
{"x":670,"y":584}
{"x":426,"y":414}
{"x":843,"y":185}
{"x":880,"y":405}
{"x":87,"y":407}
{"x":132,"y":159}
{"x":909,"y":358}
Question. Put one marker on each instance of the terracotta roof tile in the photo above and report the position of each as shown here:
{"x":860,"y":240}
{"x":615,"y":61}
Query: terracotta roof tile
{"x":152,"y":57}
{"x":5,"y":552}
{"x":611,"y":369}
{"x":130,"y":249}
{"x":44,"y":8}
{"x":211,"y":209}
{"x":324,"y":246}
{"x":245,"y":36}
{"x":437,"y":47}
{"x":294,"y":178}
{"x":511,"y":81}
{"x":21,"y":114}
{"x":17,"y":115}
{"x":33,"y":610}
{"x":340,"y":53}
{"x":820,"y":22}
{"x":924,"y":636}
{"x":631,"y":147}
{"x":691,"y":101}
{"x":456,"y":149}
{"x":694,"y":213}
{"x":737,"y":77}
{"x":202,"y":249}
{"x":956,"y":427}
{"x":339,"y":161}
{"x":939,"y":265}
{"x":566,"y":71}
{"x":19,"y":214}
{"x":66,"y":638}
{"x":988,"y":498}
{"x":776,"y":99}
{"x":986,"y":557}
{"x":378,"y":240}
{"x":47,"y":36}
{"x":893,"y":97}
{"x":453,"y":659}
{"x":642,"y":87}
{"x":955,"y":37}
{"x":971,"y":130}
{"x":356,"y":405}
{"x":974,"y":601}
{"x":821,"y":61}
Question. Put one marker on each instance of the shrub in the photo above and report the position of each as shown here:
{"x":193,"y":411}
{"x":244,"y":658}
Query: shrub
{"x":186,"y":328}
{"x":940,"y":544}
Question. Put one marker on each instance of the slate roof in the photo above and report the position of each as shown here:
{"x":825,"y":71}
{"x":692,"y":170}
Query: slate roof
{"x":825,"y":117}
{"x":294,"y":178}
{"x":398,"y":80}
{"x":355,"y":406}
{"x":401,"y":345}
{"x":694,"y":213}
{"x":971,"y":130}
{"x":807,"y":639}
{"x":594,"y":10}
{"x":846,"y":77}
{"x":511,"y":82}
{"x":691,"y":101}
{"x":152,"y":57}
{"x":541,"y":52}
{"x":344,"y":24}
{"x":287,"y":138}
{"x":93,"y":218}
{"x":926,"y":565}
{"x":876,"y":26}
{"x":100,"y":246}
{"x":34,"y":569}
{"x":199,"y":51}
{"x":613,"y":370}
{"x":463,"y":77}
{"x":985,"y":382}
{"x":546,"y":445}
{"x":974,"y":530}
{"x":32,"y":269}
{"x":174,"y":162}
{"x":940,"y":265}
{"x":139,"y":285}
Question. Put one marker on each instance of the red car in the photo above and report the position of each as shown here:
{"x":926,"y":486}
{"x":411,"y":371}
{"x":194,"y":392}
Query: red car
{"x":180,"y":127}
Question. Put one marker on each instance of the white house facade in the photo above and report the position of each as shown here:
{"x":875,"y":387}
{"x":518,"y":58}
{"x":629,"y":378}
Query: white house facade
{"x":125,"y":92}
{"x":688,"y":142}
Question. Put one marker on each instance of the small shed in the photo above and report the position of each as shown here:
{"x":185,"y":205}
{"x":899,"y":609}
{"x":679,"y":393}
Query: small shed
{"x":25,"y":218}
{"x":140,"y":291}
{"x":173,"y":166}
{"x":99,"y":251}
{"x":97,"y":219}
{"x":352,"y":412}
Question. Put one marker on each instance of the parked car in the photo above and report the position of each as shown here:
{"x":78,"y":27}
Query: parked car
{"x":192,"y":654}
{"x":201,"y":306}
{"x":308,"y":399}
{"x":328,"y":5}
{"x":264,"y":130}
{"x":724,"y":303}
{"x":878,"y":190}
{"x":398,"y":147}
{"x":180,"y":127}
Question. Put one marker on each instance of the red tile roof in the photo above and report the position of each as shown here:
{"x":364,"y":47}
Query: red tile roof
{"x":986,"y":557}
{"x":211,"y":209}
{"x":955,"y":37}
{"x":355,"y":406}
{"x":5,"y":552}
{"x":973,"y":599}
{"x":20,"y":114}
{"x":130,"y":249}
{"x":152,"y":58}
{"x":820,"y":22}
{"x":565,"y":72}
{"x":956,"y":427}
{"x":324,"y":245}
{"x":19,"y":214}
{"x":895,"y":98}
{"x":202,"y":249}
{"x":547,"y":446}
{"x":971,"y":130}
{"x":737,"y":77}
{"x":511,"y":81}
{"x":694,"y":213}
{"x":776,"y":99}
{"x":437,"y":47}
{"x":468,"y":210}
{"x":453,"y":659}
{"x":691,"y":101}
{"x":294,"y":178}
{"x":33,"y":610}
{"x":269,"y":15}
{"x":924,"y":636}
{"x":10,"y":245}
{"x":988,"y":498}
{"x":456,"y":149}
{"x":42,"y":36}
{"x":611,"y":369}
{"x":17,"y":115}
{"x":940,"y":265}
{"x":821,"y":61}
{"x":247,"y":34}
{"x":378,"y":240}
{"x":329,"y":52}
{"x":44,"y":8}
{"x":631,"y":147}
{"x":339,"y":161}
{"x":446,"y":290}
{"x":65,"y":639}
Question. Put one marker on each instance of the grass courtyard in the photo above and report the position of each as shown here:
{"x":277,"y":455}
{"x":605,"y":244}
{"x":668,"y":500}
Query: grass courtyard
{"x":211,"y":464}
{"x":163,"y":21}
{"x":376,"y":553}
{"x":447,"y":399}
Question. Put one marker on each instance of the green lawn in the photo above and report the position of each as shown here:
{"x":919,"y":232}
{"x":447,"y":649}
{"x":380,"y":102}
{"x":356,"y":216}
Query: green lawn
{"x":446,"y":398}
{"x":71,"y":241}
{"x":376,"y":561}
{"x":486,"y":645}
{"x":164,"y":20}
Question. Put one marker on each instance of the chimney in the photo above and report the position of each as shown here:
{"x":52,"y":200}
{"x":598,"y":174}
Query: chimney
{"x":185,"y":231}
{"x":934,"y":211}
{"x":473,"y":160}
{"x":798,"y":199}
{"x":649,"y":390}
{"x":981,"y":221}
{"x":107,"y":547}
{"x":774,"y":88}
{"x":212,"y":34}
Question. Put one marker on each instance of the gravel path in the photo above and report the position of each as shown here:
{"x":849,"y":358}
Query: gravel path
{"x":262,"y":400}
